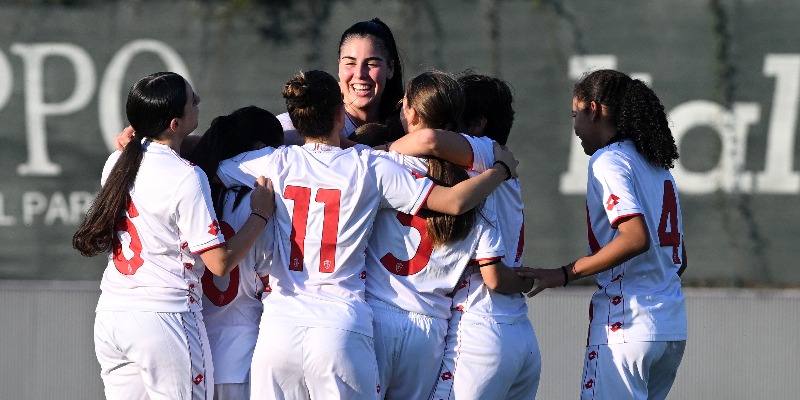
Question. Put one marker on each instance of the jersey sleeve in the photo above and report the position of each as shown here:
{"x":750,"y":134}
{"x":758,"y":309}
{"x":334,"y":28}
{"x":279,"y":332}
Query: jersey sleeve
{"x":399,"y":188}
{"x":482,"y":152}
{"x":243,"y":169}
{"x":612,"y":180}
{"x":490,"y":242}
{"x":110,"y":162}
{"x":195,"y":214}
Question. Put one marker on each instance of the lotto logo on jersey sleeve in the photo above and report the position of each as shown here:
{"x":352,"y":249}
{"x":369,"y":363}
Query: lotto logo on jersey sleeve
{"x":213,"y":228}
{"x":612,"y":201}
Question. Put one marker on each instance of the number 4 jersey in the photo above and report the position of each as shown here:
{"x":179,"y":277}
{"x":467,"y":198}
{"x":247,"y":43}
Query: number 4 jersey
{"x":640,"y":300}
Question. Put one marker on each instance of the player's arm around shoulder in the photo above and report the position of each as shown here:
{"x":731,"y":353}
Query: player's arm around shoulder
{"x":447,"y":145}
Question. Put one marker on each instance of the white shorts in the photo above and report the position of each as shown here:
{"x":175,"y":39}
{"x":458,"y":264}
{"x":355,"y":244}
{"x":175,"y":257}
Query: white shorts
{"x":298,"y":363}
{"x":639,"y":370}
{"x":409,"y":349}
{"x":487,"y":360}
{"x":151,"y":355}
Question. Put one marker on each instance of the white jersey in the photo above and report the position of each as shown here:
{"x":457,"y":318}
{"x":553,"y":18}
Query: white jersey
{"x":405,"y":270}
{"x":169,"y":217}
{"x":291,"y":137}
{"x":506,"y":203}
{"x":641,"y":299}
{"x":328,"y":199}
{"x":232,"y":303}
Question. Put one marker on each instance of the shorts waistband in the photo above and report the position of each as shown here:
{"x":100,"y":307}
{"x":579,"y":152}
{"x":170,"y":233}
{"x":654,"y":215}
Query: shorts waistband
{"x":381,"y":305}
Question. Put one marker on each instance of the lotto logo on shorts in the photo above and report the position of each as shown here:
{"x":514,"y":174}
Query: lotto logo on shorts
{"x":616,"y":326}
{"x":589,"y":384}
{"x":592,"y":355}
{"x":612,"y":201}
{"x":447,"y":376}
{"x":198,"y":379}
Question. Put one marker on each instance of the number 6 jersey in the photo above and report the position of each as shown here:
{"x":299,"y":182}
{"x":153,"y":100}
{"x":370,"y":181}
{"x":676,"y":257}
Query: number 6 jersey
{"x":169,"y":217}
{"x":639,"y":300}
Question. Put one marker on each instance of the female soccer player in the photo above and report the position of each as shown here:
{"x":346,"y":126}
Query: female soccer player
{"x":232,"y":303}
{"x":370,"y":79}
{"x":637,"y":328}
{"x":152,"y":214}
{"x":414,"y":263}
{"x":320,"y":327}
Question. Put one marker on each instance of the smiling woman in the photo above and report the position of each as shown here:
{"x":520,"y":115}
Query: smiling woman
{"x":370,"y":78}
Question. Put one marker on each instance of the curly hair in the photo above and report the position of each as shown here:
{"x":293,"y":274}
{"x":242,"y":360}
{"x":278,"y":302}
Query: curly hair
{"x":635,"y":111}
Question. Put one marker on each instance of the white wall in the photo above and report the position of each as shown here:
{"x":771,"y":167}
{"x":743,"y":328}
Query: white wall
{"x":742,"y":343}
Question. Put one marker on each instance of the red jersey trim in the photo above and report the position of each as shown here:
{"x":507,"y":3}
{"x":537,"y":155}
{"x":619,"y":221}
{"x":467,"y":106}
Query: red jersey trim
{"x":491,"y":261}
{"x":616,"y":220}
{"x":425,"y":201}
{"x":203,"y":250}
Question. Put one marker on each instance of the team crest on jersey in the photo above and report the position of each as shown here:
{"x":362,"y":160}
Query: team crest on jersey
{"x":213,"y":228}
{"x":612,"y":201}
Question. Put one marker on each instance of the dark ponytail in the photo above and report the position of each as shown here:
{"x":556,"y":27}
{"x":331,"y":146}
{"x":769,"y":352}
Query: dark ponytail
{"x":152,"y":103}
{"x":228,"y":136}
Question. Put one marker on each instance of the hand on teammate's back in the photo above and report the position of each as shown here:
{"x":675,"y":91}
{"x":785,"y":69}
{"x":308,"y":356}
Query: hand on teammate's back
{"x":547,"y":278}
{"x":263,"y":196}
{"x":504,"y":155}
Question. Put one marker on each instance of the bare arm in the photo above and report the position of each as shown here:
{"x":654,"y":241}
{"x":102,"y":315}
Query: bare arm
{"x":447,"y":145}
{"x":467,"y":194}
{"x":502,"y":279}
{"x":222,"y":260}
{"x":631,"y":241}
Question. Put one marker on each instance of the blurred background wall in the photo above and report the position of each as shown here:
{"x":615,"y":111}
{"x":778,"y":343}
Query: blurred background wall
{"x":742,"y":342}
{"x":728,"y":73}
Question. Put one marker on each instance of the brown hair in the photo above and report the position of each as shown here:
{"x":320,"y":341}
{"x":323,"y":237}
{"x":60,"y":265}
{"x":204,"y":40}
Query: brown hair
{"x":441,"y":228}
{"x":313,"y":98}
{"x":437,"y":98}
